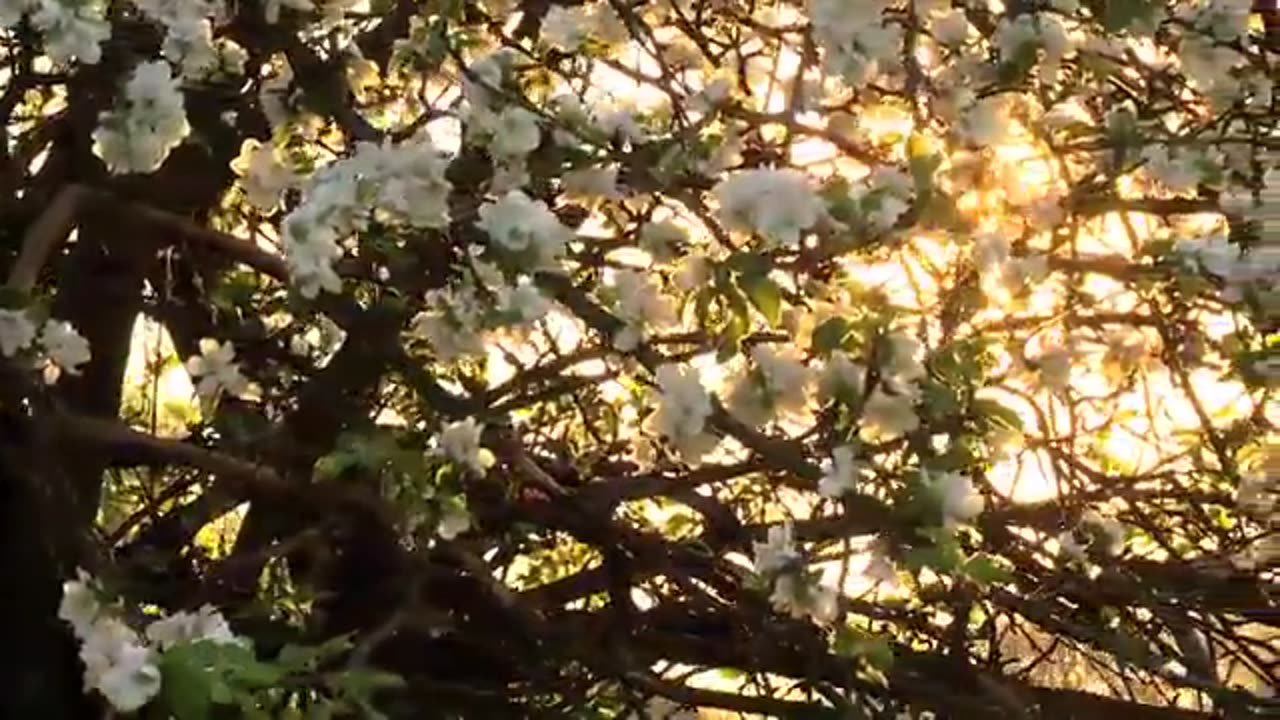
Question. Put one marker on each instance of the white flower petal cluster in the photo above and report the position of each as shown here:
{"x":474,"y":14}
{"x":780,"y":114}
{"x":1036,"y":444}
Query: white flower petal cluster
{"x":402,"y":183}
{"x":1042,"y":35}
{"x":451,"y":323}
{"x":958,"y":498}
{"x":778,"y":205}
{"x":777,"y":386}
{"x":206,"y":623}
{"x":567,"y":28}
{"x":510,"y":134}
{"x":1239,"y":269}
{"x":523,"y":302}
{"x":189,"y":41}
{"x":216,"y":370}
{"x":146,"y":124}
{"x":683,"y":408}
{"x":639,"y":304}
{"x":263,"y":174}
{"x":454,"y":520}
{"x":1224,"y":20}
{"x":120,"y":664}
{"x":1094,"y":529}
{"x":890,"y":408}
{"x":1179,"y":171}
{"x":985,"y":122}
{"x":1210,"y":67}
{"x":17,"y":331}
{"x":72,"y":29}
{"x":778,"y":562}
{"x":841,"y":473}
{"x":525,"y":227}
{"x":1053,"y":367}
{"x":460,"y":442}
{"x":884,"y":197}
{"x":952,"y":27}
{"x":857,"y":45}
{"x":65,"y":349}
{"x":60,"y":348}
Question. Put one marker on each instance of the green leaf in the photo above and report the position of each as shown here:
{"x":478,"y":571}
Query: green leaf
{"x":986,"y":569}
{"x":998,"y":414}
{"x":1121,"y":14}
{"x":764,"y":294}
{"x":186,"y":687}
{"x":830,"y":335}
{"x":924,"y":164}
{"x":874,"y":649}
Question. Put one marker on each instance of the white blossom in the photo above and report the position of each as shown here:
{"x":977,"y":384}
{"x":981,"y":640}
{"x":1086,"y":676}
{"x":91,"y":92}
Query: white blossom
{"x":565,"y":27}
{"x":683,"y":408}
{"x":16,"y":331}
{"x":778,"y":385}
{"x":72,"y":29}
{"x":639,"y":305}
{"x":515,"y":133}
{"x":65,"y":348}
{"x":206,"y":623}
{"x":399,"y":183}
{"x":147,"y":122}
{"x":460,"y":442}
{"x":662,"y":239}
{"x":856,"y":44}
{"x":521,"y":225}
{"x":841,"y":376}
{"x":216,"y":370}
{"x":1109,"y":532}
{"x":454,"y":521}
{"x":451,"y":322}
{"x":777,"y":554}
{"x":953,"y":28}
{"x":79,"y":606}
{"x":840,"y":473}
{"x":958,"y":498}
{"x":263,"y":174}
{"x":118,"y":665}
{"x":776,"y":204}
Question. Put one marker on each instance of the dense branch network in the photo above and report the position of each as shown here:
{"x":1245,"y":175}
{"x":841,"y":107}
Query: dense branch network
{"x":614,"y":359}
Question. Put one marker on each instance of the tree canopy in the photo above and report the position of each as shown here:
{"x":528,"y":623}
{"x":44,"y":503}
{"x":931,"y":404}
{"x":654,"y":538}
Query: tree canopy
{"x":618,"y":359}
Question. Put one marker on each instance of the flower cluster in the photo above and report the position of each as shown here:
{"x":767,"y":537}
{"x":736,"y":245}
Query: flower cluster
{"x":1238,"y":268}
{"x":398,"y":183}
{"x":957,"y":498}
{"x":216,"y":371}
{"x":72,"y":29}
{"x":58,"y":346}
{"x":777,"y":205}
{"x":1095,"y":529}
{"x":263,"y":174}
{"x":841,"y":472}
{"x":146,"y":124}
{"x":857,"y":45}
{"x":118,"y":662}
{"x":684,"y":406}
{"x":890,"y":408}
{"x":526,"y":229}
{"x":458,"y":318}
{"x":639,"y":304}
{"x":776,"y":385}
{"x":460,"y":442}
{"x":779,"y":562}
{"x":189,"y":41}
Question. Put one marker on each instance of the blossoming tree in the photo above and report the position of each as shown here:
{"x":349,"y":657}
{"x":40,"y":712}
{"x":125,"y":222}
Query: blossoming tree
{"x":550,"y":358}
